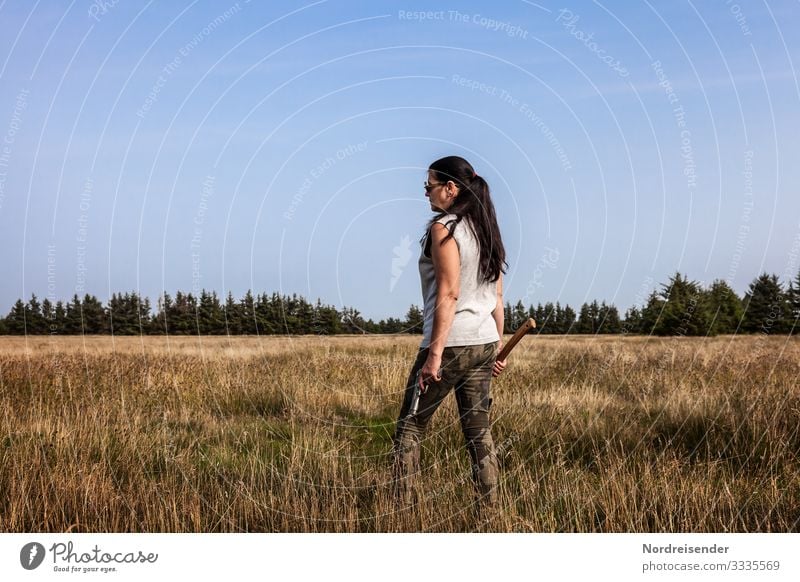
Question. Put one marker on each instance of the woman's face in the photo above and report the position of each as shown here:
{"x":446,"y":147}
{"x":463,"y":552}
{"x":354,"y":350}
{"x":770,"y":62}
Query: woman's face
{"x":440,"y":194}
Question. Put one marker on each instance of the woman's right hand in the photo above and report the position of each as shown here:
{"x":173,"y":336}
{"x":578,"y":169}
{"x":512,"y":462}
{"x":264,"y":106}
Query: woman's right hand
{"x":499,"y":365}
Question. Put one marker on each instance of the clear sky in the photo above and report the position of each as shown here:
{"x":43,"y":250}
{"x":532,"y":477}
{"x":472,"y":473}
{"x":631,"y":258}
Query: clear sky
{"x":282,"y":146}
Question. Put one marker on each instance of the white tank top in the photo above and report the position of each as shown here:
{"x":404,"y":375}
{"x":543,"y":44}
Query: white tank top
{"x":473,"y":323}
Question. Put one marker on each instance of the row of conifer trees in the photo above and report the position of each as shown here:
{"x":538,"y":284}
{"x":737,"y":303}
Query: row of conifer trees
{"x":680,"y":307}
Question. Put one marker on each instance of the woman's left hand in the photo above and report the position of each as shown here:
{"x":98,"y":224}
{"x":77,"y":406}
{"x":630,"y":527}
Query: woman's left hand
{"x":431,"y":371}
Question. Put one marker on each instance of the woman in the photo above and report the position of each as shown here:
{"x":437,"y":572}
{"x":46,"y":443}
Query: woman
{"x":461,"y":269}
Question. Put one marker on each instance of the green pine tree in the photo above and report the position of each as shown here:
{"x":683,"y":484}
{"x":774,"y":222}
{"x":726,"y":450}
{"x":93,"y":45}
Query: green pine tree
{"x":685,"y":310}
{"x":725,"y":308}
{"x":793,"y":298}
{"x":766,"y":306}
{"x":570,"y":322}
{"x":95,"y":316}
{"x":609,"y":319}
{"x":585,"y":322}
{"x":60,"y":314}
{"x":49,"y":315}
{"x":233,"y":315}
{"x":34,"y":320}
{"x":414,"y":320}
{"x":651,"y":313}
{"x":519,"y":314}
{"x":633,"y":321}
{"x":247,"y":309}
{"x":209,"y":316}
{"x":15,"y":320}
{"x":73,"y":319}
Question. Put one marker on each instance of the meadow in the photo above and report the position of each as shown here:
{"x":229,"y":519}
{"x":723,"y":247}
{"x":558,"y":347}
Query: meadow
{"x":293,"y":434}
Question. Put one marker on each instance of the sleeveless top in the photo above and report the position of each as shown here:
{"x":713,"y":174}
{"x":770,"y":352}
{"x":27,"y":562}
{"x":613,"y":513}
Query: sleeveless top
{"x":473,"y":323}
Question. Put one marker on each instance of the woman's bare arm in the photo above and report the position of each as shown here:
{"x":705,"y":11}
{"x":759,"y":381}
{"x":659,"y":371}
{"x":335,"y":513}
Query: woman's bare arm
{"x":447,"y":266}
{"x":499,"y":317}
{"x":499,"y":309}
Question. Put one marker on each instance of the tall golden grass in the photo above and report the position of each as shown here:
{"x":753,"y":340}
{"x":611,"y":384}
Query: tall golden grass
{"x":293,"y":434}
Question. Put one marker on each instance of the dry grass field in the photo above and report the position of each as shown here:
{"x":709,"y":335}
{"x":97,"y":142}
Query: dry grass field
{"x":293,"y":434}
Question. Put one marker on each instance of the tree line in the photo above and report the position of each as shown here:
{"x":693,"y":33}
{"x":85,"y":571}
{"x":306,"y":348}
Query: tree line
{"x":680,"y":307}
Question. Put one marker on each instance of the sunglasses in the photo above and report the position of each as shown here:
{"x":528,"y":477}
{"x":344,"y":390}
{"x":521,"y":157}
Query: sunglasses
{"x":428,"y":186}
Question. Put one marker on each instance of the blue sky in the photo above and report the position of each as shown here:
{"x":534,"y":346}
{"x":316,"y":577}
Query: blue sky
{"x":282,"y":146}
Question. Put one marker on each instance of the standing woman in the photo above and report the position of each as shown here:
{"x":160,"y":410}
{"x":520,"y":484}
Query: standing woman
{"x":461,"y":271}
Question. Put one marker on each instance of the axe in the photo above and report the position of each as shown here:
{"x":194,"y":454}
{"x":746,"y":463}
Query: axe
{"x":518,"y":335}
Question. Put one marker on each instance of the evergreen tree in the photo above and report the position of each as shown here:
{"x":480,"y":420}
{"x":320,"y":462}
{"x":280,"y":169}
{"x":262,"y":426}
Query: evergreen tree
{"x":247,"y":309}
{"x":117,"y":318}
{"x":352,"y":322}
{"x":189,"y":313}
{"x":160,"y":323}
{"x":569,"y":323}
{"x":290,"y":320}
{"x":34,"y":320}
{"x":538,"y":316}
{"x":725,"y":308}
{"x":266,"y":316}
{"x":60,"y":314}
{"x":609,"y":319}
{"x":60,"y":317}
{"x":585,"y":322}
{"x":594,"y":314}
{"x":304,"y":312}
{"x":414,"y":320}
{"x":370,"y":326}
{"x":651,"y":313}
{"x":793,"y":299}
{"x":333,"y":320}
{"x":766,"y":306}
{"x":73,"y":320}
{"x":233,"y":315}
{"x":508,"y":319}
{"x":209,"y":317}
{"x":685,"y":310}
{"x":391,"y":325}
{"x":49,"y":315}
{"x":273,"y":314}
{"x":548,"y":318}
{"x":145,"y":317}
{"x":519,"y":315}
{"x":95,"y":319}
{"x":15,"y":320}
{"x":633,"y":320}
{"x":181,"y":315}
{"x":558,"y":319}
{"x":326,"y":319}
{"x":124,"y":312}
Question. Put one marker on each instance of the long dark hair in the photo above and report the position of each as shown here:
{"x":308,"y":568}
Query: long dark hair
{"x":474,"y":201}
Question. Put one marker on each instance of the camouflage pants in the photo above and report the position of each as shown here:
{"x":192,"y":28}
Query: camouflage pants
{"x":468,"y":369}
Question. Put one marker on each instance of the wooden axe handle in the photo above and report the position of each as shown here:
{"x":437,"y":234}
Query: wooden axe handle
{"x":518,"y":335}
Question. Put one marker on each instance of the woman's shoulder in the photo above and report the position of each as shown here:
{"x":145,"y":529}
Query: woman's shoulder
{"x":447,"y":219}
{"x":462,"y":227}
